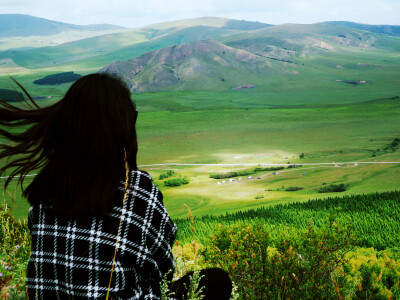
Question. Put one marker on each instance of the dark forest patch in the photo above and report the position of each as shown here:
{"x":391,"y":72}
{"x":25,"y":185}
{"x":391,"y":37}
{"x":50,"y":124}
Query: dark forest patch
{"x":11,"y":95}
{"x":58,"y":78}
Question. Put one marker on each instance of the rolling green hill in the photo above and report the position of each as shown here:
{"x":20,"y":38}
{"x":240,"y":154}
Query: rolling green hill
{"x":324,"y":54}
{"x":307,"y":64}
{"x":383,"y":29}
{"x":102,"y":50}
{"x":25,"y":32}
{"x":25,"y":25}
{"x":288,"y":42}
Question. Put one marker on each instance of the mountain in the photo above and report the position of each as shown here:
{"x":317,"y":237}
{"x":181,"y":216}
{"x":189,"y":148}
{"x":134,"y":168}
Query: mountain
{"x":211,"y":22}
{"x":289,"y":41}
{"x":25,"y":25}
{"x":203,"y":65}
{"x":102,"y":50}
{"x":324,"y":52}
{"x":221,"y":54}
{"x":382,"y":29}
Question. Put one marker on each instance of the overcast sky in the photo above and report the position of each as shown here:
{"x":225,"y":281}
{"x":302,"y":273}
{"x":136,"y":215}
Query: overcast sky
{"x":136,"y":13}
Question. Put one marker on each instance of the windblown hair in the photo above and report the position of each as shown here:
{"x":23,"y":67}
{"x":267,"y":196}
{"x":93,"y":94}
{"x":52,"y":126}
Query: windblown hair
{"x":76,"y":145}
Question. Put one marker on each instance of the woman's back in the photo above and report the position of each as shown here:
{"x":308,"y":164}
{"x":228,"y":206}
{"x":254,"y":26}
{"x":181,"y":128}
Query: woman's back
{"x":72,"y":258}
{"x":93,"y":233}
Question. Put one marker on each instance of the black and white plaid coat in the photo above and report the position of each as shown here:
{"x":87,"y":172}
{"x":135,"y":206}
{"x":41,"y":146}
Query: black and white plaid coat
{"x":72,"y":259}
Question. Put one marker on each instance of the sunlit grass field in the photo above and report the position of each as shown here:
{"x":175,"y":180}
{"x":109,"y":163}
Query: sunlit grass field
{"x":299,"y":108}
{"x":325,"y":134}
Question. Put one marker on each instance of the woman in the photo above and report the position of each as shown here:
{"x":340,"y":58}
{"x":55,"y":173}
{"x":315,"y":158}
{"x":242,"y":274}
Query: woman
{"x":98,"y":225}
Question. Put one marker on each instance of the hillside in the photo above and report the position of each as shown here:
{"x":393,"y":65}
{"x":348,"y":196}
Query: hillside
{"x":382,"y":29}
{"x":25,"y":25}
{"x":24,"y":32}
{"x":330,"y":55}
{"x":203,"y":64}
{"x":102,"y":50}
{"x":297,"y":41}
{"x":282,"y":42}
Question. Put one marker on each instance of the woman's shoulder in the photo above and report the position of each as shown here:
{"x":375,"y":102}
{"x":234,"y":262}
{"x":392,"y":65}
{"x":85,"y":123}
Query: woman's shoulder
{"x":142,"y":184}
{"x":141,"y":179}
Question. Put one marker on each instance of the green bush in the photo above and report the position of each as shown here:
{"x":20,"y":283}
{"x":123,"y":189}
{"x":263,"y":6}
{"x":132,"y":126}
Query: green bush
{"x":371,"y":282}
{"x":168,"y":174}
{"x":395,"y":142}
{"x":176,"y":181}
{"x":302,"y":266}
{"x":14,"y":255}
{"x":294,"y":188}
{"x":332,"y":188}
{"x":259,"y":169}
{"x":231,"y":174}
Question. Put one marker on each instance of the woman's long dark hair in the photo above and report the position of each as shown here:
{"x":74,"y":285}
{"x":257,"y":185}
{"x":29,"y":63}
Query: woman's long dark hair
{"x":77,"y":145}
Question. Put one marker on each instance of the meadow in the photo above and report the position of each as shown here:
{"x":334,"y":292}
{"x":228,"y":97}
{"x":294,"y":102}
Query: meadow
{"x":304,"y":116}
{"x":325,"y":134}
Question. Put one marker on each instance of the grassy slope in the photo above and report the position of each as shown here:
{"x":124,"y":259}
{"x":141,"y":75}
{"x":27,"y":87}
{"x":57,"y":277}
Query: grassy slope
{"x":36,"y":41}
{"x":335,"y":134}
{"x":102,"y":50}
{"x":330,"y":134}
{"x":285,"y":115}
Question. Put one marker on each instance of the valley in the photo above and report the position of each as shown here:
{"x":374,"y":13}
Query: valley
{"x":184,"y":77}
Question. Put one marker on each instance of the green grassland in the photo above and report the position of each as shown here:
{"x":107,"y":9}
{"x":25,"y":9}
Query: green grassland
{"x":301,"y":106}
{"x":325,"y":134}
{"x":38,"y":41}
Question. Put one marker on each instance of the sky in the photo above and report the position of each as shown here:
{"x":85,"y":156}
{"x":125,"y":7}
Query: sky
{"x":137,"y":13}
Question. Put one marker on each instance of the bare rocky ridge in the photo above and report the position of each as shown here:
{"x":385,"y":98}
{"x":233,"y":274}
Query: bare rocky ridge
{"x":187,"y":64}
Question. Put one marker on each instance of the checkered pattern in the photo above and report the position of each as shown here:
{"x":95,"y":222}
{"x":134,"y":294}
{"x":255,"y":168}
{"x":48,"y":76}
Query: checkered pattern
{"x":72,"y":258}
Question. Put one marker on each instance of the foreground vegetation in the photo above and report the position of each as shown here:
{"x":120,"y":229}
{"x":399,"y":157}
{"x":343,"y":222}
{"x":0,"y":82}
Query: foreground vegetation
{"x":336,"y":248}
{"x":373,"y":217}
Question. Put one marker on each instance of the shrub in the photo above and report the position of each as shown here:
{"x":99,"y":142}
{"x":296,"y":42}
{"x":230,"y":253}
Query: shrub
{"x":231,"y":174}
{"x":332,"y":188}
{"x":294,"y":166}
{"x":176,"y":181}
{"x":168,"y":174}
{"x":258,"y":169}
{"x":304,"y":266}
{"x":14,"y":255}
{"x":301,"y":156}
{"x":294,"y":188}
{"x":395,"y":142}
{"x":378,"y":280}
